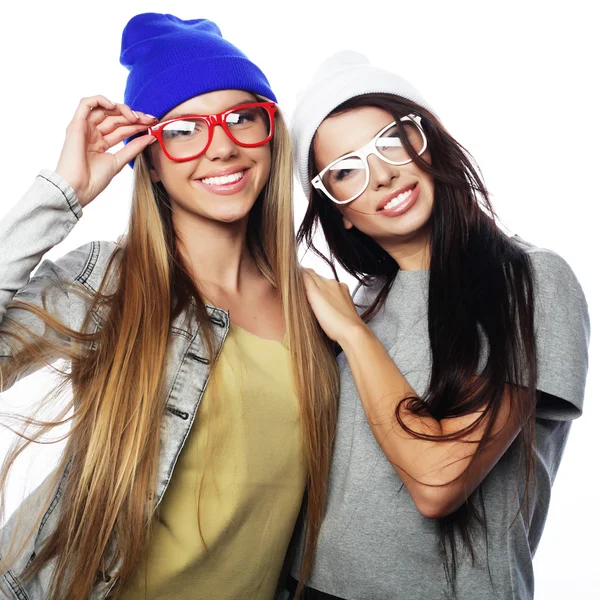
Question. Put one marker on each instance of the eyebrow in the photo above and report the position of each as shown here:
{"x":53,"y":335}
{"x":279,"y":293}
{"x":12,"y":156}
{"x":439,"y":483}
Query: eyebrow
{"x":197,"y":114}
{"x":356,"y":149}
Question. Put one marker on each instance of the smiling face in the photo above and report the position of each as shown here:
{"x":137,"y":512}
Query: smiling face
{"x":222,"y":184}
{"x":396,"y":206}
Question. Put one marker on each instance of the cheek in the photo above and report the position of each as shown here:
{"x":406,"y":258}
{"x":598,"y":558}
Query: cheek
{"x":155,"y":162}
{"x":262,"y":158}
{"x":175,"y":179}
{"x":429,"y":189}
{"x":168,"y":172}
{"x":359,"y":211}
{"x":173,"y":175}
{"x":358,"y":218}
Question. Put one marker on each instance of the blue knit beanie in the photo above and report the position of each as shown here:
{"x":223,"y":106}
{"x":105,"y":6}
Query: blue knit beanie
{"x":171,"y":60}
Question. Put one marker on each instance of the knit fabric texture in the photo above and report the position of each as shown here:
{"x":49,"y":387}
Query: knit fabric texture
{"x":171,"y":60}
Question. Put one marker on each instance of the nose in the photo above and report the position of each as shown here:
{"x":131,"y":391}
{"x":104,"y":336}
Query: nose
{"x":221,"y":147}
{"x":382,"y":173}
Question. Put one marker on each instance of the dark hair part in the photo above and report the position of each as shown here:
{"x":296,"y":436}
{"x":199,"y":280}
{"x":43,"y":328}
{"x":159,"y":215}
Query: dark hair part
{"x":480,"y":301}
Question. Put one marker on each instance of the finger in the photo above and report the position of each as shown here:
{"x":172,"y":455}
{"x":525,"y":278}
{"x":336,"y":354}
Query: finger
{"x":320,"y":280}
{"x":308,"y":277}
{"x":99,"y":107}
{"x":100,"y":146}
{"x":86,"y":105}
{"x":110,"y":123}
{"x":97,"y":115}
{"x":131,"y":150}
{"x":123,"y":132}
{"x":310,"y":274}
{"x":126,"y":111}
{"x":103,"y":119}
{"x":313,"y":283}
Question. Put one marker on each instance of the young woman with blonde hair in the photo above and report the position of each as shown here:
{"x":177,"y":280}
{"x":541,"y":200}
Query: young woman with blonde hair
{"x":459,"y":383}
{"x":203,"y":390}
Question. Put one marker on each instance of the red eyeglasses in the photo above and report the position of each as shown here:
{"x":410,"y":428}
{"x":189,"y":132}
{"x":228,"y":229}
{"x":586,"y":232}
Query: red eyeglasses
{"x":188,"y":137}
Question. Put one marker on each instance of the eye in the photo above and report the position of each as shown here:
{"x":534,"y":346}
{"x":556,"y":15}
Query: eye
{"x":181,"y":129}
{"x":242,"y":117}
{"x":346,"y":168}
{"x":390,"y":139}
{"x":341,"y":174}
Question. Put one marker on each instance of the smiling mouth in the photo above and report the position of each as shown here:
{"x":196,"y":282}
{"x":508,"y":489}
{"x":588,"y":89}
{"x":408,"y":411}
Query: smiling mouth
{"x":224,"y":179}
{"x":399,"y":199}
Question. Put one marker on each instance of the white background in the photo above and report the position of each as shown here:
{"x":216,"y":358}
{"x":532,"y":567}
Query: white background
{"x":515,"y":82}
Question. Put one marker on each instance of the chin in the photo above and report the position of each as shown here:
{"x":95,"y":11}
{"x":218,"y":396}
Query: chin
{"x":405,"y":231}
{"x":233,"y":217}
{"x":413,"y":224}
{"x":228,"y":209}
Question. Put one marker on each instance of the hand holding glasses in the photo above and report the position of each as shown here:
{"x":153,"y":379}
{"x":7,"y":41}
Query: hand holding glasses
{"x":347,"y":177}
{"x":97,"y":126}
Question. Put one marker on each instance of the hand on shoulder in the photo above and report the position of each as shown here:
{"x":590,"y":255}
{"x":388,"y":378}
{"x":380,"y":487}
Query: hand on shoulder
{"x":332,"y":305}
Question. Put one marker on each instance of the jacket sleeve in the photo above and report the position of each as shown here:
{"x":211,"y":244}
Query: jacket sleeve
{"x":39,"y":221}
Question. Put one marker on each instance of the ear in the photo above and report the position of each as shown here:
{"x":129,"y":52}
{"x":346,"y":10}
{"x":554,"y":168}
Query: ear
{"x":152,"y":170}
{"x":154,"y":174}
{"x":347,"y":224}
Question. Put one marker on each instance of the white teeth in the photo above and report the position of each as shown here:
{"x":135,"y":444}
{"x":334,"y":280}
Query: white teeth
{"x":224,"y":180}
{"x":398,"y":199}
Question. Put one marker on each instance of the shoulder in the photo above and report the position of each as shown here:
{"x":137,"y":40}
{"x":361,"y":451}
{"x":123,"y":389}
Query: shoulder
{"x":553,"y":276}
{"x":85,"y":265}
{"x":562,"y":332}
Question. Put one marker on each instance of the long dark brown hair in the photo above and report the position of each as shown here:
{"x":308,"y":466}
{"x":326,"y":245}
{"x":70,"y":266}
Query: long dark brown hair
{"x":480,"y":294}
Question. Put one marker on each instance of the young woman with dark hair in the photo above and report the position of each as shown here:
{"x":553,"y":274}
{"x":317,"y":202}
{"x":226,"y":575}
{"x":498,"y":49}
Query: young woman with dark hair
{"x":459,"y":383}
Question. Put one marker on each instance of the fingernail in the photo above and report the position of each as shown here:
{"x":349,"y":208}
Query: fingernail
{"x":151,"y":117}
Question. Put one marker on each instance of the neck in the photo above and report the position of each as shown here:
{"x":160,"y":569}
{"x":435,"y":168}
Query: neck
{"x":217,"y":253}
{"x":411,"y":253}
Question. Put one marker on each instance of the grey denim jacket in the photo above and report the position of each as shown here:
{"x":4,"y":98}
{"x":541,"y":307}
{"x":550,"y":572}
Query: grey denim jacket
{"x":42,"y":219}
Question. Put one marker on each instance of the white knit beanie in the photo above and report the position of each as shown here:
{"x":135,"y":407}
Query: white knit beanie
{"x":344,"y":75}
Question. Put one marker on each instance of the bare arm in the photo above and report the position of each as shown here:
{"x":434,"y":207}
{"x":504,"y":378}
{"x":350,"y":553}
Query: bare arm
{"x":434,"y":472}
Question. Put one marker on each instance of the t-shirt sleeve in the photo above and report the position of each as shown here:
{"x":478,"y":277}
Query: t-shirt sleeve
{"x":562,"y":332}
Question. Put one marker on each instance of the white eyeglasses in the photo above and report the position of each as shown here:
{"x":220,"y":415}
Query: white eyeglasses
{"x":347,"y":177}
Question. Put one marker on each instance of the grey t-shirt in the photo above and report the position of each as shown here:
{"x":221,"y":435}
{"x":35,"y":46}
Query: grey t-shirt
{"x":374,"y":544}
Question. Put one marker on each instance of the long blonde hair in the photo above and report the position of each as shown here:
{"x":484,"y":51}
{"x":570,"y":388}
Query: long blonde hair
{"x":117,"y":376}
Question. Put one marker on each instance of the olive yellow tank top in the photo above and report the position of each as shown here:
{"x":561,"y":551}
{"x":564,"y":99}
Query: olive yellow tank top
{"x":228,"y":514}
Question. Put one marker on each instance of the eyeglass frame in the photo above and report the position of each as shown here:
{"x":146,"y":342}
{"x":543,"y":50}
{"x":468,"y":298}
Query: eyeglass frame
{"x":364,"y":153}
{"x":212,"y":120}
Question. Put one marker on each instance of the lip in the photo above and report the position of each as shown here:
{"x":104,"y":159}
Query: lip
{"x":404,"y":206}
{"x":228,"y":188}
{"x":223,"y":172}
{"x":393,"y":194}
